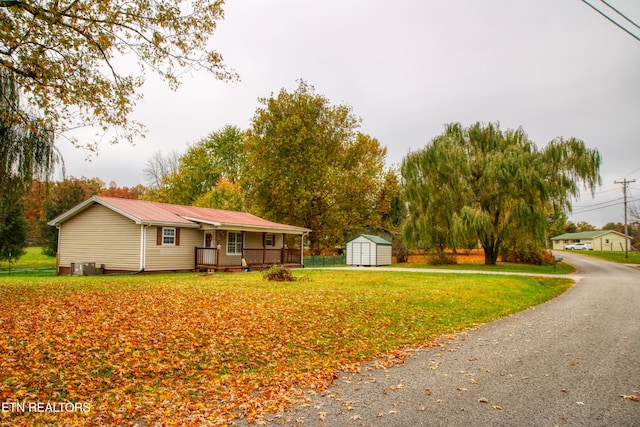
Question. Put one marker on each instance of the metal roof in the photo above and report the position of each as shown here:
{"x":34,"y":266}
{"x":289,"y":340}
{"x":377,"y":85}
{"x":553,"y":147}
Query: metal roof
{"x":585,"y":235}
{"x":156,"y":213}
{"x":375,"y":239}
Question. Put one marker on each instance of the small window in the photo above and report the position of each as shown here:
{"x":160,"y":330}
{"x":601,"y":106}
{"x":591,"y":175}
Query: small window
{"x":270,"y":240}
{"x":234,"y":243}
{"x":168,"y":236}
{"x":607,"y":241}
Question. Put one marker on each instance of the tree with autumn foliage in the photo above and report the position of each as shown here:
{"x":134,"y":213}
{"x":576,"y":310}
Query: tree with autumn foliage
{"x":199,"y":171}
{"x":393,"y":212}
{"x":123,"y":192}
{"x":34,"y":214}
{"x":63,"y":196}
{"x":225,"y":195}
{"x":492,"y":185}
{"x":308,"y":165}
{"x":66,"y":55}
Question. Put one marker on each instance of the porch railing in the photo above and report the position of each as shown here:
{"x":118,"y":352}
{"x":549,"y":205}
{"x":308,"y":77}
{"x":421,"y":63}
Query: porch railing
{"x":292,"y":256}
{"x":206,"y":256}
{"x":272,"y":256}
{"x":210,"y":256}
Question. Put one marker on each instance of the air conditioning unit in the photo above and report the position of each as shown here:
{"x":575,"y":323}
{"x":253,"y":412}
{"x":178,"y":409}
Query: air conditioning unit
{"x":83,"y":268}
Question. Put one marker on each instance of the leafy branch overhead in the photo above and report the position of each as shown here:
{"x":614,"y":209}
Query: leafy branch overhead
{"x":67,"y":56}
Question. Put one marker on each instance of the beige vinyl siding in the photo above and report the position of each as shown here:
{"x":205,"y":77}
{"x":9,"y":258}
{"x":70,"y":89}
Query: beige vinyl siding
{"x":176,"y":257}
{"x":253,"y":240}
{"x":102,"y":236}
{"x":227,"y":259}
{"x":609,"y":242}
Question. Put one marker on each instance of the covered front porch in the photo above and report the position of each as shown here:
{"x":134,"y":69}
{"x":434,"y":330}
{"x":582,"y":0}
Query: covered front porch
{"x":233,"y":250}
{"x":256,"y":259}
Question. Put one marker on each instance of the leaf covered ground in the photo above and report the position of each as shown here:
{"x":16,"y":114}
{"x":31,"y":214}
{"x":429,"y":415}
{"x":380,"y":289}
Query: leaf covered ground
{"x":196,"y":350}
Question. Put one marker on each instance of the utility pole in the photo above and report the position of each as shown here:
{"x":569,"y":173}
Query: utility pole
{"x":625,"y":184}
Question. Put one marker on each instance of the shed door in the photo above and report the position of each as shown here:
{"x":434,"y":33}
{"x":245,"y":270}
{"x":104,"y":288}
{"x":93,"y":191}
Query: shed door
{"x":361,"y":253}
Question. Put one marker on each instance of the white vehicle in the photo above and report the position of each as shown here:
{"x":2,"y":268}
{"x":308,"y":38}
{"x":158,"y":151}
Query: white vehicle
{"x":578,"y":246}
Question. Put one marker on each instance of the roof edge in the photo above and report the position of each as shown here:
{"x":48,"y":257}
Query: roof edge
{"x":84,"y":206}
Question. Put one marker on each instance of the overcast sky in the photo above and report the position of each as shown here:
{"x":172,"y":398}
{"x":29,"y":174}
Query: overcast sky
{"x":553,"y":67}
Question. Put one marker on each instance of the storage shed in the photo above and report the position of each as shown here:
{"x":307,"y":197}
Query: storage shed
{"x":368,"y":250}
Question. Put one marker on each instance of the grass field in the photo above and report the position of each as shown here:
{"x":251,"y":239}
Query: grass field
{"x":560,"y":268}
{"x":186,"y":349}
{"x":33,"y":263}
{"x":633,"y":258}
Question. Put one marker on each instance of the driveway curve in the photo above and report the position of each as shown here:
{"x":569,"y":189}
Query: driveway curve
{"x":573,"y":361}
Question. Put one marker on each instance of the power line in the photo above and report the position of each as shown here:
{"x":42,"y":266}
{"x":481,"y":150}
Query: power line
{"x":621,"y":14}
{"x":612,"y":20}
{"x":591,"y":209}
{"x":630,"y":173}
{"x":596,"y":193}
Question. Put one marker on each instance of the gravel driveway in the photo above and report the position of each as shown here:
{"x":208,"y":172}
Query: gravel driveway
{"x":573,"y":361}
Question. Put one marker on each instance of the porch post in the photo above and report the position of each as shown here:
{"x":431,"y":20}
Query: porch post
{"x":302,"y":250}
{"x":264,"y":246}
{"x":243,"y":257}
{"x":217,"y":248}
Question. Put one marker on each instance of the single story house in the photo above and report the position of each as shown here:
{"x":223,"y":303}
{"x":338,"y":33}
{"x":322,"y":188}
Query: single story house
{"x":367,"y":250}
{"x":118,"y":235}
{"x":602,"y":240}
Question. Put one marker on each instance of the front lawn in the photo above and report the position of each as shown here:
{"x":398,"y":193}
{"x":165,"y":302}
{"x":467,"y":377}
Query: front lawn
{"x":186,"y":349}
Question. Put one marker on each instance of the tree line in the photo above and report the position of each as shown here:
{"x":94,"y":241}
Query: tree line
{"x":302,"y":161}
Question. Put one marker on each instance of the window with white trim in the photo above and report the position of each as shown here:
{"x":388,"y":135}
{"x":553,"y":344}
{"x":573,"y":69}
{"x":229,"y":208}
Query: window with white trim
{"x":234,"y":243}
{"x":270,"y":240}
{"x":168,"y":236}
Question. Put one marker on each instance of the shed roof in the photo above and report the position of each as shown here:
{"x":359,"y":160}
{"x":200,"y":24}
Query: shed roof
{"x":586,"y":235}
{"x":156,"y":213}
{"x":375,"y":239}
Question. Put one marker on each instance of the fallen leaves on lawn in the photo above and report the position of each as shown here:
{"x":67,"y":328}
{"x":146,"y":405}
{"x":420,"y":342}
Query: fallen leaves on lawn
{"x":191,"y":350}
{"x":156,"y":354}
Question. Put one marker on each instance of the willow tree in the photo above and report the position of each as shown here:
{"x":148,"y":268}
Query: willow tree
{"x":67,"y":55}
{"x":26,"y":152}
{"x":308,"y":165}
{"x":492,"y":186}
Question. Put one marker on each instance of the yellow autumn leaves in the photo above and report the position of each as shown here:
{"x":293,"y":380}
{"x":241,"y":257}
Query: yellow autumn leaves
{"x":185,"y":349}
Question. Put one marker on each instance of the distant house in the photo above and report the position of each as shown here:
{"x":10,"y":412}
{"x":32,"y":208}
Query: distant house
{"x":121,"y":235}
{"x":602,"y":240}
{"x":367,"y":250}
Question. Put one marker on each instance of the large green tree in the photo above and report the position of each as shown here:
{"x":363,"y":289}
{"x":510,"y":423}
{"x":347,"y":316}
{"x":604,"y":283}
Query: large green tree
{"x":219,"y":155}
{"x":393,"y":211}
{"x":67,"y":54}
{"x":13,"y":227}
{"x":491,"y":185}
{"x":308,"y":165}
